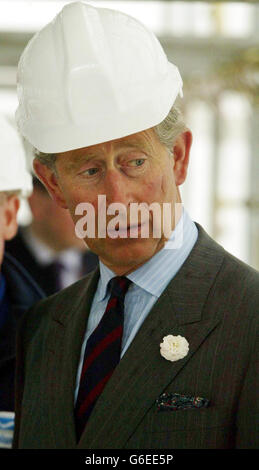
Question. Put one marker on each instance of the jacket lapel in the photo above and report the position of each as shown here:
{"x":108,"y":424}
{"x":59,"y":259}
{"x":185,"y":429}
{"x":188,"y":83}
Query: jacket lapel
{"x":64,"y":347}
{"x":143,"y":374}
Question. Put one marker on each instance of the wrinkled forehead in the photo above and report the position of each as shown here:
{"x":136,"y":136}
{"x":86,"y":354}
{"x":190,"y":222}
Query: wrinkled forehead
{"x":144,"y":141}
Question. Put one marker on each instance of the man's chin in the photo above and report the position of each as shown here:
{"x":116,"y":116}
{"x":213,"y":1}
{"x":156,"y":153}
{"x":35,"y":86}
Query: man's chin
{"x":130,"y":256}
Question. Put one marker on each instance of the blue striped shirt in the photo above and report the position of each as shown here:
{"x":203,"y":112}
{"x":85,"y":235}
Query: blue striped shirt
{"x":148,"y":283}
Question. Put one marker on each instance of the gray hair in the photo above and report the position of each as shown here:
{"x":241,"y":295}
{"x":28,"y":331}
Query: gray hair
{"x":170,"y":128}
{"x":167,"y":131}
{"x":48,"y":159}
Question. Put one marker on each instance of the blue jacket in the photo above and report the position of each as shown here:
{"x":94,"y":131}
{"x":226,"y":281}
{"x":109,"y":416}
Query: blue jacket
{"x":22,"y":293}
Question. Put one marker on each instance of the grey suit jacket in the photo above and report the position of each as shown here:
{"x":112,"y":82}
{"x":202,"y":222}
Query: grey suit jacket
{"x":212,"y":302}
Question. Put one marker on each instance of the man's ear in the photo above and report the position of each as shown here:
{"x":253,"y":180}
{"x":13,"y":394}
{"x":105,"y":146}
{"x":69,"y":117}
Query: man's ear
{"x":181,"y":151}
{"x":10,"y":209}
{"x":50,"y":181}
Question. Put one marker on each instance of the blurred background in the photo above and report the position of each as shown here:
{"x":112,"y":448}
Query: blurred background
{"x":216,"y":48}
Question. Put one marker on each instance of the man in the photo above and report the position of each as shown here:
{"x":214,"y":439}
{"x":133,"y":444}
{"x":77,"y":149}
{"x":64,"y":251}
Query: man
{"x":156,"y":349}
{"x":48,"y":246}
{"x":17,"y":290}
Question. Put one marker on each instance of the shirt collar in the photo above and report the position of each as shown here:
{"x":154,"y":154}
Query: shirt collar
{"x":155,"y":274}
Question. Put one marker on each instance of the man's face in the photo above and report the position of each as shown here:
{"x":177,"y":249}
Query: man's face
{"x":133,"y":169}
{"x":52,"y":224}
{"x":8,"y":222}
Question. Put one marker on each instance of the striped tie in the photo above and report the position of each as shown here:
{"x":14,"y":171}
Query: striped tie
{"x":102,"y":353}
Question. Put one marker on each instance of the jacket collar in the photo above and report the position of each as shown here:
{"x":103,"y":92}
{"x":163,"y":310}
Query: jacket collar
{"x":22,"y":292}
{"x":21,"y":289}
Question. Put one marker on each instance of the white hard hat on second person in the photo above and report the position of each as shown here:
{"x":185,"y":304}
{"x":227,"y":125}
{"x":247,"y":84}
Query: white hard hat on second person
{"x":13,"y":172}
{"x":90,"y":76}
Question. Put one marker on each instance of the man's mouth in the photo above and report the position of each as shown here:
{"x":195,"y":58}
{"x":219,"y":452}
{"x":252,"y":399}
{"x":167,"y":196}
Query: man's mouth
{"x":130,"y":231}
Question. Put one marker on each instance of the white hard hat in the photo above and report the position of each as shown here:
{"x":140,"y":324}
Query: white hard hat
{"x":13,"y":173}
{"x":90,"y":76}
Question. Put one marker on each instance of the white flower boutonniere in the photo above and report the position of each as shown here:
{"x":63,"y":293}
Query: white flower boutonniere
{"x":174,"y":348}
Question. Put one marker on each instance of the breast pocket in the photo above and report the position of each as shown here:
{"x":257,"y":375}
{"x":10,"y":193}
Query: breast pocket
{"x":197,"y":428}
{"x":186,"y":419}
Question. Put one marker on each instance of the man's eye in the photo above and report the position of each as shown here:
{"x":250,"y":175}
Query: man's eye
{"x":137,"y":162}
{"x":91,"y":171}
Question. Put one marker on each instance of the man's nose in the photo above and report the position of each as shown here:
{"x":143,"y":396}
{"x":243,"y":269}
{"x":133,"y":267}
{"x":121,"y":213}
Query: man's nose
{"x":116,"y":187}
